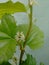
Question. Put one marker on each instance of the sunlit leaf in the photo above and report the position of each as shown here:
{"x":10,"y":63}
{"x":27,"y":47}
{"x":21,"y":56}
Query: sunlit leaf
{"x":29,"y":61}
{"x":10,"y":7}
{"x":8,"y":25}
{"x":7,"y":48}
{"x":36,"y":37}
{"x":7,"y":41}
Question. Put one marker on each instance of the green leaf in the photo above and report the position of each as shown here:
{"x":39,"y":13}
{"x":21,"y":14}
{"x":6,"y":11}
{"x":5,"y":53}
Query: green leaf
{"x":36,"y":37}
{"x":8,"y":25}
{"x":29,"y":61}
{"x":5,"y":63}
{"x":7,"y":48}
{"x":11,"y":8}
{"x":7,"y":40}
{"x":41,"y":63}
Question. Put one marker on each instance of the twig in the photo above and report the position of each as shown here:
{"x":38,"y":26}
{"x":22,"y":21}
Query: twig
{"x":29,"y":29}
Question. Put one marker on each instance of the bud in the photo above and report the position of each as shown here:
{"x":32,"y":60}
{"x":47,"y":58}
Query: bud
{"x":20,"y":36}
{"x":13,"y":61}
{"x":33,"y":2}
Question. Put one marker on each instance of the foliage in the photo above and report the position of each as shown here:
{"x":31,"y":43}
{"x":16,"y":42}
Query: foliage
{"x":5,"y":63}
{"x":41,"y":63}
{"x":36,"y":37}
{"x":9,"y":33}
{"x":7,"y":41}
{"x":29,"y":61}
{"x":11,"y":8}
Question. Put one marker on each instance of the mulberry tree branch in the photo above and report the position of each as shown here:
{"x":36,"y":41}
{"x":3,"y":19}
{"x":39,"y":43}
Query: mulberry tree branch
{"x":30,"y":25}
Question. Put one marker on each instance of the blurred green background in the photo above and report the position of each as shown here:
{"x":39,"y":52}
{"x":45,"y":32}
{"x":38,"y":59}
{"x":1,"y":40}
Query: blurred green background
{"x":41,"y":13}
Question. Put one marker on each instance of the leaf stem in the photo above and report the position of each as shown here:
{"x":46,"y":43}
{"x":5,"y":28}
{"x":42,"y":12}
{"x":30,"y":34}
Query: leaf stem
{"x":30,"y":25}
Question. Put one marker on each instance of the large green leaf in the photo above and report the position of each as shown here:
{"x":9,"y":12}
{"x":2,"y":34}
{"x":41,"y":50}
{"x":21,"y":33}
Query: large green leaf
{"x":10,"y":7}
{"x":8,"y":25}
{"x":7,"y":41}
{"x":29,"y":61}
{"x":36,"y":37}
{"x":7,"y":48}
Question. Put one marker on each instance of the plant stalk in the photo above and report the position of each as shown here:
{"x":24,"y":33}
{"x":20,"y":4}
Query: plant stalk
{"x":29,"y":29}
{"x":30,"y":21}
